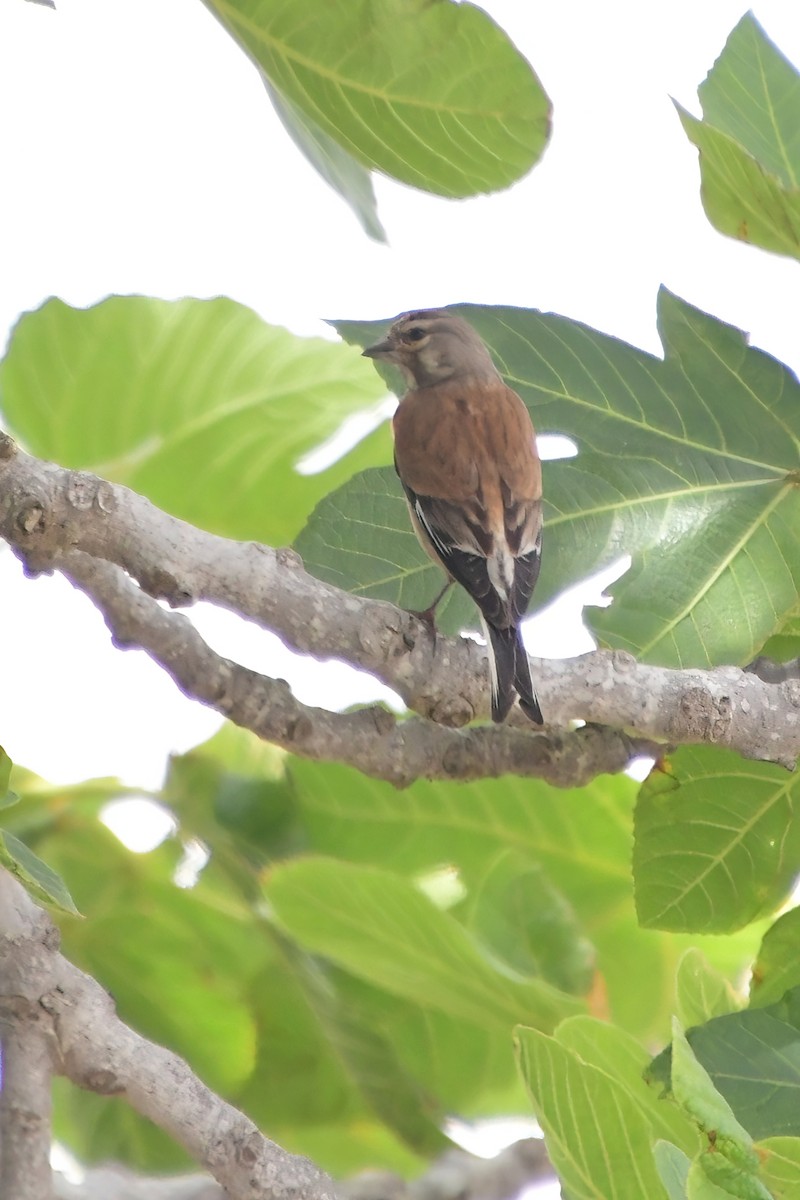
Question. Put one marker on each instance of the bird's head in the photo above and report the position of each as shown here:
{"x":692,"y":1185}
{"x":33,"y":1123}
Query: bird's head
{"x":432,"y":346}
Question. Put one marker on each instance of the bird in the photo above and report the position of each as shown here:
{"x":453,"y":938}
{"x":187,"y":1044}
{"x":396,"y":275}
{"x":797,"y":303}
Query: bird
{"x":465,"y":453}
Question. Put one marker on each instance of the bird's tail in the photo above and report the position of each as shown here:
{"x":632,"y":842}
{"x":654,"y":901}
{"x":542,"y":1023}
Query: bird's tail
{"x":510,"y":673}
{"x":528,"y":700}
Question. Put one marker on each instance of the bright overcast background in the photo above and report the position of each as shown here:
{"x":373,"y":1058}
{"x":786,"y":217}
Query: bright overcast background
{"x":142,"y":156}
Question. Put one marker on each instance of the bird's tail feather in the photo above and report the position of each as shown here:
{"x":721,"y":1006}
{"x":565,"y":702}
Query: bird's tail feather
{"x":502,"y":648}
{"x":528,"y":700}
{"x":510,"y":673}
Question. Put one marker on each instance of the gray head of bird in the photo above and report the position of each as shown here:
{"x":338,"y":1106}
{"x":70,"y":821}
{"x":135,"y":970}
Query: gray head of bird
{"x":432,"y":346}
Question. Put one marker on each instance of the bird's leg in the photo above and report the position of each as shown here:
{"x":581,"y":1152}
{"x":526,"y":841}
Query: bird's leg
{"x":429,"y":614}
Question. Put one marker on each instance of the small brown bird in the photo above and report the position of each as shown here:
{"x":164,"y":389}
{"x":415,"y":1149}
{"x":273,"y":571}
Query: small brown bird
{"x":465,"y":451}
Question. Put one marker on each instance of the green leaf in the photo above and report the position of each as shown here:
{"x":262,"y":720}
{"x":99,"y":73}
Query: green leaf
{"x":407,"y":1105}
{"x":101,"y":1129}
{"x":41,"y":881}
{"x":359,"y":538}
{"x":673,"y":1169}
{"x":729,"y":1166}
{"x":717,"y":842}
{"x":383,"y":930}
{"x":523,"y":919}
{"x":694,"y":1091}
{"x":197,"y":404}
{"x":702,"y":991}
{"x":434,"y":95}
{"x":624,"y":1060}
{"x":712,"y":1177}
{"x":337,"y":167}
{"x":777,"y":968}
{"x":582,"y":838}
{"x":780,"y":1166}
{"x":233,"y":794}
{"x":5,"y":776}
{"x":748,"y":142}
{"x":597,"y":1137}
{"x":751,"y":1061}
{"x":705,"y":497}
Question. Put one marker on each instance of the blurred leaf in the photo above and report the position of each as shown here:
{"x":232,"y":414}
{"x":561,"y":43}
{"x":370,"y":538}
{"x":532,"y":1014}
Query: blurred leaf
{"x":232,"y":792}
{"x":523,"y":919}
{"x":717,"y":842}
{"x":673,"y":1169}
{"x":197,"y":404}
{"x":102,"y":1129}
{"x":777,"y":968}
{"x":702,"y":991}
{"x":434,"y":95}
{"x":337,"y":167}
{"x":748,"y":141}
{"x":596,"y":1134}
{"x":658,"y":453}
{"x":7,"y":798}
{"x":582,"y":838}
{"x":185,"y":949}
{"x":780,"y":1167}
{"x":408,"y":1107}
{"x":43,"y":883}
{"x":384,"y":930}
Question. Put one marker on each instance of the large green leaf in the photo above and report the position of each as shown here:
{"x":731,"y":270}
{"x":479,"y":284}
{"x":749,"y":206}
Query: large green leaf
{"x":384,"y":930}
{"x":749,"y":141}
{"x":433,"y":94}
{"x":717,"y":841}
{"x":360,"y":538}
{"x":198,"y":404}
{"x":582,"y":839}
{"x":338,"y":168}
{"x":597,"y":1134}
{"x":689,"y":464}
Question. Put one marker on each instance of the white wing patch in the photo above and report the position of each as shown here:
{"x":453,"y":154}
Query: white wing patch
{"x":431,"y":532}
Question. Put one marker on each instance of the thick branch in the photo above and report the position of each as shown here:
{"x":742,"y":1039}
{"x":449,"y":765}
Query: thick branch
{"x":93,"y":1048}
{"x":47,"y":513}
{"x":25,"y":1103}
{"x":370,"y":739}
{"x":454,"y":1173}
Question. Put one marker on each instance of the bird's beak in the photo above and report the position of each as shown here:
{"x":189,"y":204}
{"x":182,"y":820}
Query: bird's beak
{"x":379,"y":349}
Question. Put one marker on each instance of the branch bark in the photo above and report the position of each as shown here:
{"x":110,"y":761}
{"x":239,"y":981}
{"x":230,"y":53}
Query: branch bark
{"x":27,"y":1063}
{"x":41,"y":991}
{"x":454,"y":1173}
{"x":103,"y":537}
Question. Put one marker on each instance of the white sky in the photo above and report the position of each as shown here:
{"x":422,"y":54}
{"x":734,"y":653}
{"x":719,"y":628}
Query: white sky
{"x":142,"y":155}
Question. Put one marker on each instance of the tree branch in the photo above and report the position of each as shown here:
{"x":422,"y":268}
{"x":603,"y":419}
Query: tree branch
{"x":27,"y":1064}
{"x":86,"y":527}
{"x":454,"y":1173}
{"x":92,"y":1047}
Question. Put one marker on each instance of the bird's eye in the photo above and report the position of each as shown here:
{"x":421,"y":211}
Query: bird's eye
{"x":416,"y":334}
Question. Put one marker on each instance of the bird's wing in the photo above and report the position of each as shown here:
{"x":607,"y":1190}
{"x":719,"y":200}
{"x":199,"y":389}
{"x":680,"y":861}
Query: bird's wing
{"x":467,"y":459}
